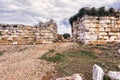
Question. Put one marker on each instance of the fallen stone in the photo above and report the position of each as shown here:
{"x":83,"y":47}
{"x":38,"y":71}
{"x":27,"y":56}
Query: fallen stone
{"x":114,"y":75}
{"x":98,"y":73}
{"x":119,"y":51}
{"x":74,"y":77}
{"x":119,"y":66}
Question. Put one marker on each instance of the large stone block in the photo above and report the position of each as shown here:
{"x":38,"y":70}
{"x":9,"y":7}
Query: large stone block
{"x":74,"y":77}
{"x":90,"y":37}
{"x":101,"y":29}
{"x":103,"y":33}
{"x":93,"y":29}
{"x":112,"y":38}
{"x":104,"y":21}
{"x":98,"y":73}
{"x":107,"y":29}
{"x":112,"y":33}
{"x":114,"y":75}
{"x":106,"y":37}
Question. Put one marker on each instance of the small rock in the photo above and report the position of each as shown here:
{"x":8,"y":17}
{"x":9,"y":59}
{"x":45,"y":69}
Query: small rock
{"x":114,"y":75}
{"x":119,"y":66}
{"x":98,"y":73}
{"x":74,"y":77}
{"x":119,"y":51}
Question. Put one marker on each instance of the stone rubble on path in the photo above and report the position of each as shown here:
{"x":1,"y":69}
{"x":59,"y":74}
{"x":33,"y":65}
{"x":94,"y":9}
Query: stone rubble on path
{"x":74,"y":77}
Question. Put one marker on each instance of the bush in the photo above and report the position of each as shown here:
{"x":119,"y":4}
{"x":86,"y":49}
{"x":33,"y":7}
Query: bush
{"x":53,"y":57}
{"x":66,"y":35}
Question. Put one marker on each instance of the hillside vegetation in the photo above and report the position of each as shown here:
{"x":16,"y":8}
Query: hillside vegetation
{"x":81,"y":58}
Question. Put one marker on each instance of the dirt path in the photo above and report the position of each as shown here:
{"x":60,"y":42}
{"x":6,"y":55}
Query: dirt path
{"x":21,"y":62}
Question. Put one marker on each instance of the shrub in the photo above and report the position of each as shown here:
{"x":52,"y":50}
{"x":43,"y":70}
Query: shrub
{"x":66,"y":35}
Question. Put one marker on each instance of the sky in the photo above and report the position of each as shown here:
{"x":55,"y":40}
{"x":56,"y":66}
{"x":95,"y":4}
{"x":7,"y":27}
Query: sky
{"x":31,"y":12}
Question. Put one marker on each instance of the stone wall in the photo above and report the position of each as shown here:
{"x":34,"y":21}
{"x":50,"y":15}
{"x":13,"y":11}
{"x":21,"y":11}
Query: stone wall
{"x":96,"y":30}
{"x":23,"y":34}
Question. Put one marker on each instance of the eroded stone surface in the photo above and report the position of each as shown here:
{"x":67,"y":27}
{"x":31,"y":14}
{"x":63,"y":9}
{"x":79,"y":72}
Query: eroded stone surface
{"x":98,"y":73}
{"x":23,"y":34}
{"x":91,"y":30}
{"x":74,"y":77}
{"x":114,"y":75}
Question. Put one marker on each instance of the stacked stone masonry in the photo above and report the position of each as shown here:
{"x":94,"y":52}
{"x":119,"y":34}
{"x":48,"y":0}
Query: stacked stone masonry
{"x":96,"y":30}
{"x":23,"y":34}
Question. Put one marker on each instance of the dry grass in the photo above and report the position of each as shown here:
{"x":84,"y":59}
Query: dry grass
{"x":81,"y":59}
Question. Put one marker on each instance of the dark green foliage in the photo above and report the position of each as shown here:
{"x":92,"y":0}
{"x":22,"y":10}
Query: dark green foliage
{"x":106,"y":78}
{"x":92,"y":12}
{"x":111,"y":11}
{"x":66,"y":35}
{"x":50,"y":56}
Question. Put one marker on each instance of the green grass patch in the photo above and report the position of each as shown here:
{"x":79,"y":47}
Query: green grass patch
{"x":52,"y":56}
{"x":82,"y":59}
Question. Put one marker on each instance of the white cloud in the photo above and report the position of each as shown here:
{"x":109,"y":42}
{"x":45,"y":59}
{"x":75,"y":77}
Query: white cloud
{"x":32,"y":11}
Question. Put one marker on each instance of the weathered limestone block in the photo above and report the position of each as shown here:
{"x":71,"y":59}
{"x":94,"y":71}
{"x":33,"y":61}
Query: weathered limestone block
{"x":114,"y":75}
{"x":93,"y":29}
{"x":93,"y":25}
{"x":103,"y":33}
{"x":107,"y":29}
{"x":101,"y":29}
{"x":94,"y":21}
{"x":87,"y":21}
{"x":113,"y":38}
{"x":74,"y":77}
{"x":119,"y":52}
{"x":104,"y":21}
{"x":118,"y":22}
{"x":111,"y":18}
{"x":98,"y":73}
{"x":111,"y":33}
{"x":104,"y":25}
{"x":15,"y":43}
{"x":88,"y":37}
{"x":106,"y":38}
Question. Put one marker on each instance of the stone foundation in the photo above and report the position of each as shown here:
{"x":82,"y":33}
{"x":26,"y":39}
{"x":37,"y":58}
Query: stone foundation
{"x":96,"y":30}
{"x":22,"y":34}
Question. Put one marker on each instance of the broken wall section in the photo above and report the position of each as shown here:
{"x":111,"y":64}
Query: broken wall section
{"x":96,"y":30}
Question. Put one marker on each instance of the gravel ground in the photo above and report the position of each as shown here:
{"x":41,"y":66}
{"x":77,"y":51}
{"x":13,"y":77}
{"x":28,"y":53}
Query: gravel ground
{"x":21,"y":62}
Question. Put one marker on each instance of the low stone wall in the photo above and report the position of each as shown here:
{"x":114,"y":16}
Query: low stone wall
{"x":21,"y":34}
{"x":96,"y":30}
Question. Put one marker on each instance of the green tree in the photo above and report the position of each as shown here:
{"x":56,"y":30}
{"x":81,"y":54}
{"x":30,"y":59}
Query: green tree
{"x":66,"y":35}
{"x":101,"y":11}
{"x":111,"y":11}
{"x":94,"y":12}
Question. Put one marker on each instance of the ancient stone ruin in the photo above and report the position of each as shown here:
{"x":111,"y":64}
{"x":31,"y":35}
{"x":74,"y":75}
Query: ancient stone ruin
{"x":23,"y":34}
{"x":96,"y":29}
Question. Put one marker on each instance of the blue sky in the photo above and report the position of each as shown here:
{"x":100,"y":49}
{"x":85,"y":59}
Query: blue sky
{"x":32,"y":11}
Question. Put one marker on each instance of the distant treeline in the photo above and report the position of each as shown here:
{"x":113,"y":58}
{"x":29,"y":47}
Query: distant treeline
{"x":92,"y":12}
